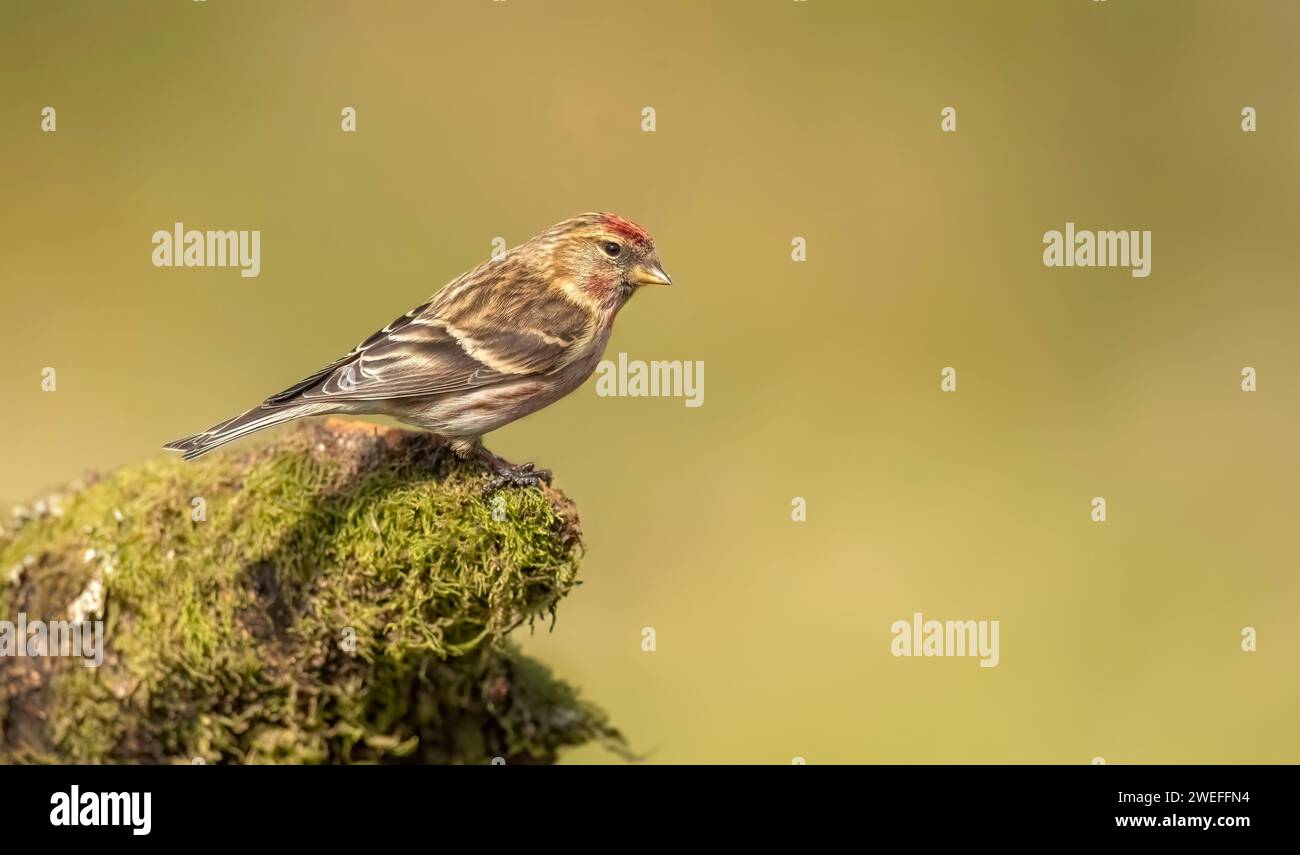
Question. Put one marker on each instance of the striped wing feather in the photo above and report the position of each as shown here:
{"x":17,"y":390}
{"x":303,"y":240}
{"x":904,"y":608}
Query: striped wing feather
{"x":473,"y":334}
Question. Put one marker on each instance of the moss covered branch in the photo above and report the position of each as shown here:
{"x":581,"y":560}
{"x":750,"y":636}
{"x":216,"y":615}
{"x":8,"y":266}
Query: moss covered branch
{"x":343,"y":594}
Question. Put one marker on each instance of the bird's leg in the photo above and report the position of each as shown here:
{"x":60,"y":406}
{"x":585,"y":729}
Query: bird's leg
{"x":510,"y":475}
{"x":506,"y":474}
{"x":438,"y":454}
{"x":465,"y":447}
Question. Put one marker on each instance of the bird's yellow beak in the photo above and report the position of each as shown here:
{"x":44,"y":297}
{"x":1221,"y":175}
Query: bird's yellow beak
{"x":650,"y":274}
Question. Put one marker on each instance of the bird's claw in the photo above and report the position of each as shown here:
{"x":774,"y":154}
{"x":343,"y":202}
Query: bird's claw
{"x":523,"y":475}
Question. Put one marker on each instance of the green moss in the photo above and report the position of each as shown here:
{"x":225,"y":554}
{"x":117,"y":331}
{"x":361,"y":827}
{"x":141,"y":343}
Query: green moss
{"x":346,"y":598}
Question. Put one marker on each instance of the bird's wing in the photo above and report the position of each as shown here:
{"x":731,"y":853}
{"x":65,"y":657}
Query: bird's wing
{"x":470,"y":335}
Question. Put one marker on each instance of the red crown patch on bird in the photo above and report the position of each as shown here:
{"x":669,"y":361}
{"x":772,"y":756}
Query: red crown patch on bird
{"x":626,"y":229}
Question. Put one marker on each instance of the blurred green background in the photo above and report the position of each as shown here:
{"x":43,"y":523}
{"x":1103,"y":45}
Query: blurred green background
{"x":775,"y":119}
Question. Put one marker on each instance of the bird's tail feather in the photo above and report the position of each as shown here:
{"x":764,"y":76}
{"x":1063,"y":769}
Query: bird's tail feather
{"x":241,"y":425}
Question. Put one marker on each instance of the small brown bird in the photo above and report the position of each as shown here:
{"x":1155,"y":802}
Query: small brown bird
{"x":507,"y":338}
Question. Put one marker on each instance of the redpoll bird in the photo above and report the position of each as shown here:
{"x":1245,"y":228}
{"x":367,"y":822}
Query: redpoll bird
{"x":507,"y":338}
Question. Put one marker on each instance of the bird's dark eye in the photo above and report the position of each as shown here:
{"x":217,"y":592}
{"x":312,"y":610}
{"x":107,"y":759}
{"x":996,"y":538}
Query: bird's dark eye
{"x":611,"y":249}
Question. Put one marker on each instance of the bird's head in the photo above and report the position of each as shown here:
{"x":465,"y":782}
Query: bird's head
{"x":605,"y":255}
